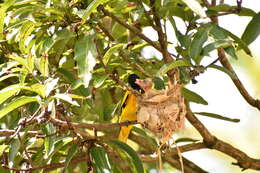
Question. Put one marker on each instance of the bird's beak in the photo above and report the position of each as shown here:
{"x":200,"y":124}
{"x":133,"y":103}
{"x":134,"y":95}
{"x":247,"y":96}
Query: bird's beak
{"x":139,"y":82}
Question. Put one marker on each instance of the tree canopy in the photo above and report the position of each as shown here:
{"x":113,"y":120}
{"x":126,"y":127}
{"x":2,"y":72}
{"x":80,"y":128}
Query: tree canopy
{"x":63,"y":74}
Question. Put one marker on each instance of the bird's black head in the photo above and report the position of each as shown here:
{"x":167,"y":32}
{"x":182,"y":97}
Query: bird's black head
{"x":131,"y":80}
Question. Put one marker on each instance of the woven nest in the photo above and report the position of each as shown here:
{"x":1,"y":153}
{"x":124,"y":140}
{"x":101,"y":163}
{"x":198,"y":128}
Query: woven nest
{"x":162,"y":111}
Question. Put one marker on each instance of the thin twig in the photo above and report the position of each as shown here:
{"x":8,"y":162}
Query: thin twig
{"x":129,"y":27}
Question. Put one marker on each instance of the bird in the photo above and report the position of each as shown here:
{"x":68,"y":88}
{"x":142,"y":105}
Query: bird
{"x":129,"y":107}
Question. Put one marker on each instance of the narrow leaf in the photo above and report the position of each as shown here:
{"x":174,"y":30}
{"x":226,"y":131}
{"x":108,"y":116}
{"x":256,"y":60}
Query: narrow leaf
{"x":193,"y":97}
{"x":110,"y":52}
{"x":217,"y":116}
{"x":136,"y":160}
{"x":14,"y":148}
{"x":72,"y":151}
{"x":169,"y":66}
{"x":91,"y":7}
{"x":223,"y":69}
{"x":85,"y":53}
{"x":9,"y":92}
{"x":3,"y":9}
{"x":186,"y":140}
{"x":66,"y":98}
{"x":252,"y":30}
{"x":16,"y":103}
{"x":196,"y":7}
{"x":240,"y":42}
{"x":100,"y":159}
{"x":196,"y":45}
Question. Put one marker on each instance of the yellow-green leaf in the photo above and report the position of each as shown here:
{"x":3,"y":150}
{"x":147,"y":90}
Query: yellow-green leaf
{"x":16,"y":104}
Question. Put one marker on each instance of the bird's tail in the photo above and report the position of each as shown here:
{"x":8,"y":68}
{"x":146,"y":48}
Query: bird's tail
{"x":124,"y":133}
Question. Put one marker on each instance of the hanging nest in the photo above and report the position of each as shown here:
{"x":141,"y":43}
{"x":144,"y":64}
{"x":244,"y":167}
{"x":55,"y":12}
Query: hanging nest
{"x":162,"y":111}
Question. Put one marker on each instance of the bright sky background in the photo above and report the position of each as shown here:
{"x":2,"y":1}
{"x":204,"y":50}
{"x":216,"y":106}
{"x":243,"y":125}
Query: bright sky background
{"x":224,"y":99}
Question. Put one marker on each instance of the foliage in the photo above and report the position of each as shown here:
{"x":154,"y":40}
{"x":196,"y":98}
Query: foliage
{"x":68,"y":60}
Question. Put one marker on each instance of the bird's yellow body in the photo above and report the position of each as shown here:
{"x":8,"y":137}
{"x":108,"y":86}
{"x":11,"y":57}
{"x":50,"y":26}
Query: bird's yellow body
{"x":129,"y":109}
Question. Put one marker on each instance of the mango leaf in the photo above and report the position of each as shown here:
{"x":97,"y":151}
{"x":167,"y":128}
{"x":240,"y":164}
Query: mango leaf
{"x":217,"y":116}
{"x":110,"y":52}
{"x":158,"y":83}
{"x":37,"y":88}
{"x":193,"y":97}
{"x":169,"y":66}
{"x":196,"y":45}
{"x":91,"y":7}
{"x":223,"y":69}
{"x":100,"y":159}
{"x":230,"y":51}
{"x":72,"y":151}
{"x":14,"y":148}
{"x":8,"y":76}
{"x":99,"y":79}
{"x":227,"y":8}
{"x":20,"y":101}
{"x":196,"y":7}
{"x":44,"y":63}
{"x":186,"y":140}
{"x":20,"y":60}
{"x":66,"y":98}
{"x":9,"y":92}
{"x":5,"y":67}
{"x":136,"y":160}
{"x":3,"y":9}
{"x":252,"y":30}
{"x":215,"y":45}
{"x":240,"y":42}
{"x":85,"y":53}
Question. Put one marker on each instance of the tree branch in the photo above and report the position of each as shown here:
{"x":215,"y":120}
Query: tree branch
{"x":129,"y":27}
{"x":211,"y":142}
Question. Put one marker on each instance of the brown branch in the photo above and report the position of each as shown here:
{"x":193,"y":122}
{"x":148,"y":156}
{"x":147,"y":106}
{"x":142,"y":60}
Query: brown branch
{"x":241,"y":88}
{"x":129,"y":27}
{"x":171,"y":155}
{"x":211,"y":142}
{"x":90,"y":126}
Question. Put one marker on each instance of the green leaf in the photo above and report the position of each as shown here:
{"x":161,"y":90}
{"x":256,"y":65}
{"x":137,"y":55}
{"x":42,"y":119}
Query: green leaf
{"x":196,"y":45}
{"x":20,"y":60}
{"x":186,"y":140}
{"x":72,"y":151}
{"x":193,"y":97}
{"x":9,"y":92}
{"x":20,"y":101}
{"x":195,"y":7}
{"x":217,"y":116}
{"x":231,"y":52}
{"x":136,"y":160}
{"x":66,"y":98}
{"x":100,"y":159}
{"x":215,"y":45}
{"x":223,"y":69}
{"x":85,"y":53}
{"x":158,"y":83}
{"x":169,"y":66}
{"x":110,"y":52}
{"x":252,"y":30}
{"x":4,"y":7}
{"x":240,"y":42}
{"x":99,"y":79}
{"x":91,"y":7}
{"x":8,"y":76}
{"x":44,"y":69}
{"x":14,"y":148}
{"x":227,"y":8}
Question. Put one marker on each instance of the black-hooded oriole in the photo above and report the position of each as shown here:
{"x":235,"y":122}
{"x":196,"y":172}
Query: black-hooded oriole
{"x":129,"y":107}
